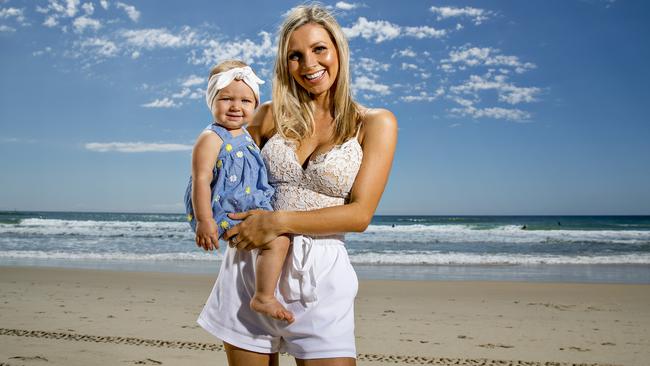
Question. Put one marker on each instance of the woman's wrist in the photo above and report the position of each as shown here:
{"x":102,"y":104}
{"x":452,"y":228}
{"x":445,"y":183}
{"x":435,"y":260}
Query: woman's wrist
{"x":280,"y":222}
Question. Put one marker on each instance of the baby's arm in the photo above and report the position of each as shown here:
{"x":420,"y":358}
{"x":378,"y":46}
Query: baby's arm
{"x":204,"y":157}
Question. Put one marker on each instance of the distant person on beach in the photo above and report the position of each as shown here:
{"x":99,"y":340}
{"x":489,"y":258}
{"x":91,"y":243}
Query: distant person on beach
{"x":524,"y":227}
{"x":229,"y":175}
{"x":328,"y":159}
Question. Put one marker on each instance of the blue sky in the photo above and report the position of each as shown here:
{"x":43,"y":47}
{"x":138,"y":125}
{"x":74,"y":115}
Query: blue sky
{"x":504,"y":107}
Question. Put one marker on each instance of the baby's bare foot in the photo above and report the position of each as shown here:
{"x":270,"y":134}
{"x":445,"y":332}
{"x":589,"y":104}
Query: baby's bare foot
{"x":270,"y":306}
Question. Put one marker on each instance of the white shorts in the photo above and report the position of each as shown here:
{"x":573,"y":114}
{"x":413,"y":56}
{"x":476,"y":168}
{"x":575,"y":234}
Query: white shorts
{"x":318,"y":285}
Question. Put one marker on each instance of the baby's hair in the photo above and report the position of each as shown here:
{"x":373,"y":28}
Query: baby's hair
{"x":226,"y":65}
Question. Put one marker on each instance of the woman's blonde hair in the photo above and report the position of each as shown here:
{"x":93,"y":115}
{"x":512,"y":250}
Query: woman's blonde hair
{"x":293,"y":110}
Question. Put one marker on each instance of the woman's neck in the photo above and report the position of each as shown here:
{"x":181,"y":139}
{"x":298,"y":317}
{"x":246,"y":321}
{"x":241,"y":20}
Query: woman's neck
{"x":323,"y":106}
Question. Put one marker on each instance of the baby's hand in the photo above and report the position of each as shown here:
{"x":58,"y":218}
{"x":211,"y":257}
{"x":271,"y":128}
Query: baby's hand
{"x":207,"y":234}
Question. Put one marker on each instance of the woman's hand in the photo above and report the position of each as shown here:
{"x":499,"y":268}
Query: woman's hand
{"x":257,"y":228}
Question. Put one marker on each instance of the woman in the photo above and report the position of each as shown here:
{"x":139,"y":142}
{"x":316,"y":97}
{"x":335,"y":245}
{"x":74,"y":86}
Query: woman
{"x":329,"y":160}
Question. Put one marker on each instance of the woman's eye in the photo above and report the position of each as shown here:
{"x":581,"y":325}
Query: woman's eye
{"x":320,"y":49}
{"x":294,"y":56}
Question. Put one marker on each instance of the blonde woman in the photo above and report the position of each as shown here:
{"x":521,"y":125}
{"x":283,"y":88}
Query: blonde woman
{"x":328,"y":159}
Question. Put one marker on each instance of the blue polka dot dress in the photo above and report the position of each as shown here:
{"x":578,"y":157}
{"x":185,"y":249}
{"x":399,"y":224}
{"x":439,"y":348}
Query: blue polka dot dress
{"x":239,"y":180}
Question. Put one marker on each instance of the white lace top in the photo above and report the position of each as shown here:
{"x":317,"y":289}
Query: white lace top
{"x":325,"y":182}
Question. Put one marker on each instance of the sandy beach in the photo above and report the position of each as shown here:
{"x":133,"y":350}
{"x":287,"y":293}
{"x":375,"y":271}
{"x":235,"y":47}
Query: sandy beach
{"x":53,"y":316}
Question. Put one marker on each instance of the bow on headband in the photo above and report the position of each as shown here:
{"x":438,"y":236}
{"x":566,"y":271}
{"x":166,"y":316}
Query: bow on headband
{"x":222,"y":79}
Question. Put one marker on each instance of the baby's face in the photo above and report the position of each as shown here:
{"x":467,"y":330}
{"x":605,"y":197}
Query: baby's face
{"x":234,"y":105}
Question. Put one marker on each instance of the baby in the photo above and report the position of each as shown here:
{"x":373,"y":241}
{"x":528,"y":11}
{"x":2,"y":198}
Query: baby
{"x":229,"y":175}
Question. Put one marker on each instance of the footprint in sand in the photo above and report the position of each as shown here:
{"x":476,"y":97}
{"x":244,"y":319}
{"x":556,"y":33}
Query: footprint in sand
{"x":29,"y":358}
{"x":573,"y":348}
{"x":498,"y":345}
{"x":147,"y":361}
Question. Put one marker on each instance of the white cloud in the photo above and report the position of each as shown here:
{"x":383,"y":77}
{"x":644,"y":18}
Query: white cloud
{"x":381,"y":30}
{"x":246,"y":50}
{"x":424,"y":32}
{"x":50,"y":22}
{"x":477,"y":15}
{"x":6,"y":28}
{"x":83,"y":22}
{"x":135,"y":147}
{"x":493,"y":112}
{"x":507,"y":92}
{"x":100,"y":47}
{"x":346,"y":6}
{"x":135,"y":54}
{"x":182,"y":94}
{"x":407,"y":52}
{"x":42,"y":52}
{"x":485,"y":56}
{"x":162,"y":103}
{"x":193,"y":80}
{"x":365,"y":83}
{"x":18,"y":14}
{"x":153,"y":38}
{"x":368,"y":65}
{"x":130,"y":10}
{"x":408,"y":66}
{"x":424,"y":96}
{"x":70,"y":7}
{"x":104,"y":4}
{"x":88,"y":8}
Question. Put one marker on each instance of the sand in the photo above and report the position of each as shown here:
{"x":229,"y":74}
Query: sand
{"x":51,"y":316}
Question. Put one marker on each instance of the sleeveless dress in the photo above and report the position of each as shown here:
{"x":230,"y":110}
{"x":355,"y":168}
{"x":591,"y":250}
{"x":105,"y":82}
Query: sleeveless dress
{"x":239,"y":180}
{"x":317,"y":284}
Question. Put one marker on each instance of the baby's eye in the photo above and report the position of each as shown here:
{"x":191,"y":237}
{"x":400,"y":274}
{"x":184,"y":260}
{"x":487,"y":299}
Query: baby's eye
{"x":225,"y":98}
{"x":247,"y":101}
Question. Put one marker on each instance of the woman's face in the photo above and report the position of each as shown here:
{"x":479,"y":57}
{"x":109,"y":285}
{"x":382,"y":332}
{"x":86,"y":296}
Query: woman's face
{"x":313,"y":59}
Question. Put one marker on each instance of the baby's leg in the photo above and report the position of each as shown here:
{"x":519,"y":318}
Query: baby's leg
{"x":268,"y":269}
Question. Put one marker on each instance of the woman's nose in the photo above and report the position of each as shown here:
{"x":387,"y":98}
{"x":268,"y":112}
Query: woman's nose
{"x":308,"y":61}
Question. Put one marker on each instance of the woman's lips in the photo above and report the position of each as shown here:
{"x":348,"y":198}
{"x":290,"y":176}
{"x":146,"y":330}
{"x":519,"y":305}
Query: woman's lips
{"x":314,"y":77}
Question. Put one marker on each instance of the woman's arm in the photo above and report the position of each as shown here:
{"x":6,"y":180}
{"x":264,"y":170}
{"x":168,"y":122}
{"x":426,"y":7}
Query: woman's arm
{"x":379,"y":140}
{"x":204,"y":156}
{"x":262,"y":126}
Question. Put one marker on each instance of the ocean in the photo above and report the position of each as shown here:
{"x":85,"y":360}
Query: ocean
{"x":513,"y":248}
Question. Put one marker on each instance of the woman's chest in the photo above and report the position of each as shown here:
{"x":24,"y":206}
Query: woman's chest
{"x":331,"y":172}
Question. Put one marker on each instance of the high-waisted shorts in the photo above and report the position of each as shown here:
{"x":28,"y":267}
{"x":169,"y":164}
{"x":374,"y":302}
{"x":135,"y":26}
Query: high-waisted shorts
{"x":318,"y":285}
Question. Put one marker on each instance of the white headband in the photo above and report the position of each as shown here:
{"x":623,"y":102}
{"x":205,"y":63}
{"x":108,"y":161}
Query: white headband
{"x":223,"y":79}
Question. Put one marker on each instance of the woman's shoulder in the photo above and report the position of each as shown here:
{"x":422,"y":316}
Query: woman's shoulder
{"x":263,"y":125}
{"x":376,"y":120}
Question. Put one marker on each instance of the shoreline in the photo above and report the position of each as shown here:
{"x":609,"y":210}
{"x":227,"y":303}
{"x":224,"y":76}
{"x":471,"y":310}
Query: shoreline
{"x":532,"y":273}
{"x":80,"y":316}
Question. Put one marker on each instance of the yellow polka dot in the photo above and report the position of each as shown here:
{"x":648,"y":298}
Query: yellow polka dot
{"x":228,"y":147}
{"x":224,"y":224}
{"x":189,"y":217}
{"x":219,"y":163}
{"x":248,"y":190}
